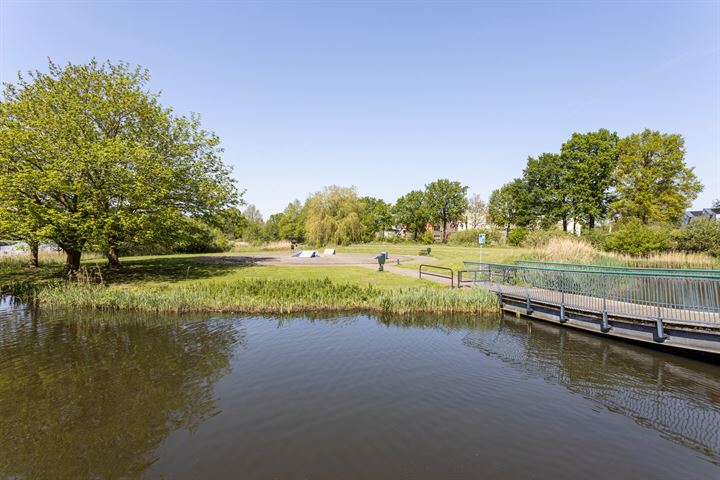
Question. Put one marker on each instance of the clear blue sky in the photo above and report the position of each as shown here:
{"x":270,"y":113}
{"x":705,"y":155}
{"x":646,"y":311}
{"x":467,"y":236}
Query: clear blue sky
{"x":389,"y":96}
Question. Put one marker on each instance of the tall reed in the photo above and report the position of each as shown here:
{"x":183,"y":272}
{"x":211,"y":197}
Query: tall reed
{"x":260,"y":296}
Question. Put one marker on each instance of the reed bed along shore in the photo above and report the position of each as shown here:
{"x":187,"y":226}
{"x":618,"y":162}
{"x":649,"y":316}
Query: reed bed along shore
{"x":576,"y":250}
{"x":258,"y":296}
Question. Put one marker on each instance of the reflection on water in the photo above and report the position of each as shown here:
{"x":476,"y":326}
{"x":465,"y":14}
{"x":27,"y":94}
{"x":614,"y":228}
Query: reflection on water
{"x":677,"y":397}
{"x":85,"y":395}
{"x":85,"y":401}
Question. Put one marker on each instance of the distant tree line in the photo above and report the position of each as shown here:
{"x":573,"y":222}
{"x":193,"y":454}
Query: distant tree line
{"x":598,"y":176}
{"x":339,"y":216}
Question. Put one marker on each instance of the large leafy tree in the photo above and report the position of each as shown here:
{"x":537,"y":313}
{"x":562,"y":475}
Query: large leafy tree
{"x":89,"y":156}
{"x":410,"y":212}
{"x":509,"y":205}
{"x":375,"y":217}
{"x":548,"y":189}
{"x":652,"y":182}
{"x":445,"y":202}
{"x":590,"y":159}
{"x":333,"y":217}
{"x":291,"y":225}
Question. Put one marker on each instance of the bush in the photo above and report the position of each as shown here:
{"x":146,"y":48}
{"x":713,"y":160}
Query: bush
{"x":469,"y":238}
{"x":517,"y":236}
{"x":700,"y":235}
{"x":428,"y":237}
{"x":636,"y":238}
{"x":596,"y":236}
{"x":540,"y":238}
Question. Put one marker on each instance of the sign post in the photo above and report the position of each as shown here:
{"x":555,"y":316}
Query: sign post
{"x":481,"y":241}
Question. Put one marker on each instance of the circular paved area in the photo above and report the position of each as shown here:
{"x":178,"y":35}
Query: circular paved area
{"x":285,"y":259}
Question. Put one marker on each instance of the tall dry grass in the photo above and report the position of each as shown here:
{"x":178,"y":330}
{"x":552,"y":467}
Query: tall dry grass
{"x":578,"y":250}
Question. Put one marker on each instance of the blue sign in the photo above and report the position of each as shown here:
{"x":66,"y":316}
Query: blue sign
{"x":481,"y":239}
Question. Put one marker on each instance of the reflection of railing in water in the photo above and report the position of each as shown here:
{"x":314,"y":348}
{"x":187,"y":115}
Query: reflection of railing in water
{"x":685,"y":299}
{"x":620,"y":269}
{"x":679,"y":401}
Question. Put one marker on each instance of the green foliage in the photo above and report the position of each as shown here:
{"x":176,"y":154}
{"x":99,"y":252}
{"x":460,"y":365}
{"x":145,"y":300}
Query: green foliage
{"x":700,"y":235}
{"x":652,"y":181}
{"x":517,"y":236}
{"x":510,"y":205}
{"x":410,"y":212}
{"x":596,"y":236}
{"x":333,"y":217}
{"x":548,"y":189}
{"x":590,"y":159}
{"x":87,"y":155}
{"x":274,"y":296}
{"x":375,"y":217}
{"x":636,"y":238}
{"x":428,"y":237}
{"x":445,"y":202}
{"x":291,"y":225}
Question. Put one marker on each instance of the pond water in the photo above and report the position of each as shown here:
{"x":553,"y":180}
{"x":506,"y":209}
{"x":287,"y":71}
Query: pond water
{"x":344,"y":397}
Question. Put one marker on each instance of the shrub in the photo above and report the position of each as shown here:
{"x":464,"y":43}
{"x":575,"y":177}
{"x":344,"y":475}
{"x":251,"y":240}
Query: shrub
{"x":428,"y":237}
{"x":636,"y":238}
{"x":596,"y":236}
{"x":700,"y":235}
{"x":517,"y":236}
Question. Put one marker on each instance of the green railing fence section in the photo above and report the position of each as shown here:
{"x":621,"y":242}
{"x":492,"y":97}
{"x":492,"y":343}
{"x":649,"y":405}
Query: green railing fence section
{"x":687,"y":299}
{"x":620,"y":269}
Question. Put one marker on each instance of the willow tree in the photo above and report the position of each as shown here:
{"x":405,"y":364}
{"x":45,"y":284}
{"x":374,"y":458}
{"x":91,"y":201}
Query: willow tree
{"x":89,"y":155}
{"x":333,"y":217}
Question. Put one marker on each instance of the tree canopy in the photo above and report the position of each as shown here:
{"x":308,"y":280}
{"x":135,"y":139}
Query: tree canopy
{"x":88,"y":155}
{"x":652,"y":182}
{"x":445,"y":202}
{"x":410,"y":212}
{"x":508,"y":205}
{"x":590,"y":159}
{"x":333,"y":217}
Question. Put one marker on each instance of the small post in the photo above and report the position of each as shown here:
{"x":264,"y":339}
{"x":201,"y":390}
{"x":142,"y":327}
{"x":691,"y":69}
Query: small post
{"x":562,"y":301}
{"x":604,"y":325}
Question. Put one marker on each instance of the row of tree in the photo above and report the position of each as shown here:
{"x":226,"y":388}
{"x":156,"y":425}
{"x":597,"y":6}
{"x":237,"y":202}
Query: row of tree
{"x":598,"y":176}
{"x":90,"y":158}
{"x":338,"y":215}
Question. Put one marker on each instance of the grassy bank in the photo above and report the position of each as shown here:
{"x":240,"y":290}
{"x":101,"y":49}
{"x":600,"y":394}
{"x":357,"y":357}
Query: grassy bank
{"x":258,"y":296}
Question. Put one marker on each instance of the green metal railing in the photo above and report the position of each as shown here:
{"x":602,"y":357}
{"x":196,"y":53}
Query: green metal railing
{"x":685,"y":299}
{"x":620,"y":269}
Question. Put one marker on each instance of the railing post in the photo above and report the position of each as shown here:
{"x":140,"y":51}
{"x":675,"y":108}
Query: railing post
{"x":659,"y":327}
{"x":604,"y":325}
{"x":562,"y":298}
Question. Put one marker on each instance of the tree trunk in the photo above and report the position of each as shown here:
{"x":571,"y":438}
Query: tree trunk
{"x":112,"y":257}
{"x":72,"y":262}
{"x":34,"y":254}
{"x":591,"y":223}
{"x":565,"y":224}
{"x":443,"y":230}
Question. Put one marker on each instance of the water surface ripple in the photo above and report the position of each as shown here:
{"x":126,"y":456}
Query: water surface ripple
{"x":87,"y":395}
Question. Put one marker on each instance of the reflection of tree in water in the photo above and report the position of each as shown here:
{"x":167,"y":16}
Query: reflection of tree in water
{"x":678,"y":397}
{"x":80,"y":401}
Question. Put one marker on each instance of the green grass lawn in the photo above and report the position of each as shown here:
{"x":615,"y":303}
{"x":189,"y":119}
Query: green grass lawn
{"x":443,"y":255}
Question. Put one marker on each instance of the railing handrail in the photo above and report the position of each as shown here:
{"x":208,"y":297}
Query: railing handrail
{"x":449,"y":276}
{"x":690,"y":299}
{"x":600,"y":272}
{"x":622,"y":268}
